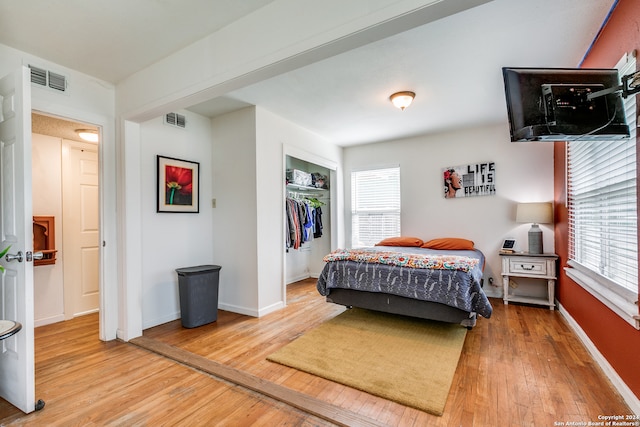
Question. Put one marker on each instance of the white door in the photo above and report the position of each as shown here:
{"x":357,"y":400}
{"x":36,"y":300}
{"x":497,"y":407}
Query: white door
{"x":17,"y":382}
{"x":81,"y":227}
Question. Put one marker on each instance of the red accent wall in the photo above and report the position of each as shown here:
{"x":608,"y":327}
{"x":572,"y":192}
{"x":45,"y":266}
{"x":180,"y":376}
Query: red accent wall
{"x":617,"y":340}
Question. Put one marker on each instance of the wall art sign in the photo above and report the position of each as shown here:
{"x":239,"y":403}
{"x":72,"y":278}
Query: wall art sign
{"x":470,"y":180}
{"x":178,"y":185}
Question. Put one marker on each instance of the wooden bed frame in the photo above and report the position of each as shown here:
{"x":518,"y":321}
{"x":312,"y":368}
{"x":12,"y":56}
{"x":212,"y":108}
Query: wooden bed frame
{"x":401,"y":305}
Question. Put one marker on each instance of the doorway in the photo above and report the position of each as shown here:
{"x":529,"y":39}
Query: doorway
{"x":298,"y":265}
{"x":303,"y":258}
{"x":66,"y":186}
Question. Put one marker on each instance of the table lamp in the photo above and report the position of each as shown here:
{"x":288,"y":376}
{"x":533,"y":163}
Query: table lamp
{"x":535,"y":213}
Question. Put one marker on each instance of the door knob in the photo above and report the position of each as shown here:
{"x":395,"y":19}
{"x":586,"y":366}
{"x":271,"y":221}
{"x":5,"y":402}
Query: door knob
{"x":12,"y":257}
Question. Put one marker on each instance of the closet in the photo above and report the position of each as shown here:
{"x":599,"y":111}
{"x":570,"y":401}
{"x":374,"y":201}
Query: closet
{"x":307,"y":218}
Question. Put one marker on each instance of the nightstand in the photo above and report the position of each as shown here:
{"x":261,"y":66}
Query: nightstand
{"x":533,"y":266}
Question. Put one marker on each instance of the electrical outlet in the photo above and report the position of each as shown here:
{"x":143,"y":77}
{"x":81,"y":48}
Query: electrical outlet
{"x":213,"y":203}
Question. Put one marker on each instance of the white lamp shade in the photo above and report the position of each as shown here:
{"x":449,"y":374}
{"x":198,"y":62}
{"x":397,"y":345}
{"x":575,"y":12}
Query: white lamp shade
{"x":537,"y":213}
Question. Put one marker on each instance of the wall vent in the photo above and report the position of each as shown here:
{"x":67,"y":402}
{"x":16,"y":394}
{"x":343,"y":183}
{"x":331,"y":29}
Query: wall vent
{"x":57,"y":81}
{"x":42,"y":77}
{"x":38,"y":76}
{"x":175,"y":119}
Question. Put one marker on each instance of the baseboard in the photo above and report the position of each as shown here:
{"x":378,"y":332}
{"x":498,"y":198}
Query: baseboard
{"x":311,"y":274}
{"x":49,"y":320}
{"x":270,"y":309}
{"x":221,"y":306}
{"x":622,"y":388}
{"x":237,"y":309}
{"x":84,"y":313}
{"x":251,"y":312}
{"x":297,"y":278}
{"x":160,"y":320}
{"x":492,"y":291}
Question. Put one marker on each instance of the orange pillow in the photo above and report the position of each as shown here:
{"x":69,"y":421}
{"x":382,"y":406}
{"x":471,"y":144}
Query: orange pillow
{"x":401,"y":241}
{"x":454,"y":243}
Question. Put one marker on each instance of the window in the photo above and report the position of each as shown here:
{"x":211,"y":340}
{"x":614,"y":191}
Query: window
{"x":375,"y":206}
{"x":602,"y":203}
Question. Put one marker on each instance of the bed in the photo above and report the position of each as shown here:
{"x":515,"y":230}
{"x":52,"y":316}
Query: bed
{"x":423,"y":282}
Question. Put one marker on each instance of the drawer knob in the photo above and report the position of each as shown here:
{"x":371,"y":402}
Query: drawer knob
{"x":526,"y":268}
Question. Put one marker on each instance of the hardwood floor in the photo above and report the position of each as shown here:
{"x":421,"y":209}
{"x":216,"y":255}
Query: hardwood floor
{"x":522,"y":367}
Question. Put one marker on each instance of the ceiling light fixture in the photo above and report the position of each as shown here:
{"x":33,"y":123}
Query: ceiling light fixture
{"x":402,"y":99}
{"x":88,"y":135}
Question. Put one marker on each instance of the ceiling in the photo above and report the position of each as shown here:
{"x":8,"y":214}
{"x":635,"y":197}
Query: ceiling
{"x":52,"y":126}
{"x":453,"y":64}
{"x":113,"y":39}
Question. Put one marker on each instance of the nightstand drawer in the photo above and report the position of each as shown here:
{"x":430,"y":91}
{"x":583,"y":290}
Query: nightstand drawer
{"x":531,"y":266}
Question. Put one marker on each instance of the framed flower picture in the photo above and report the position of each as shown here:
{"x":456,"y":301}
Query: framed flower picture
{"x":178,"y":185}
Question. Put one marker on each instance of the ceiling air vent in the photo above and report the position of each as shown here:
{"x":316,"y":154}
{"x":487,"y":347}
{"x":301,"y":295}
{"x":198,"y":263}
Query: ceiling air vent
{"x":57,"y":81}
{"x":38,"y":76}
{"x":42,"y":77}
{"x":175,"y":119}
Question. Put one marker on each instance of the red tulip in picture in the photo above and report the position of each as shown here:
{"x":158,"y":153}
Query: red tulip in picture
{"x":179,"y":185}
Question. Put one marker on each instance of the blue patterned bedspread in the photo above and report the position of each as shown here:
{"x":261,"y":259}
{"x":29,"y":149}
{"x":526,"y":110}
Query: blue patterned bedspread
{"x":456,"y":288}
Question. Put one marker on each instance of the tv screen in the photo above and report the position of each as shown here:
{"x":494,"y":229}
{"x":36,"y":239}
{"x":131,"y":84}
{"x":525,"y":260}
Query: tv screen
{"x":551,"y":104}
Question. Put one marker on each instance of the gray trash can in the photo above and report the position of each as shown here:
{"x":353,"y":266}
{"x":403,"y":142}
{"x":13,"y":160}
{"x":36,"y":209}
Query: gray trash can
{"x":198,"y":289}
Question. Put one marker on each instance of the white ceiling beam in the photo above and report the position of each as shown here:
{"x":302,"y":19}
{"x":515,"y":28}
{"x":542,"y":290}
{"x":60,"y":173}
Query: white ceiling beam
{"x":280,"y":37}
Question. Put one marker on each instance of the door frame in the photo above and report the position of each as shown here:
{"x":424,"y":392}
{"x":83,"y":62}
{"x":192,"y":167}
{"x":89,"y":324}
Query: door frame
{"x":130,"y":230}
{"x":108,"y":315}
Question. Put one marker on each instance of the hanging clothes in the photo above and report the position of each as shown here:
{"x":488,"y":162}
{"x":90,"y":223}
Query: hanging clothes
{"x":294,"y":237}
{"x":308,"y":223}
{"x":302,"y":221}
{"x":317,"y":229}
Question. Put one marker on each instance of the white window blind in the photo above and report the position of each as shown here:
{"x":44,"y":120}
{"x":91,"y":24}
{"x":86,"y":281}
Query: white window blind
{"x":602,"y":202}
{"x":375,"y":206}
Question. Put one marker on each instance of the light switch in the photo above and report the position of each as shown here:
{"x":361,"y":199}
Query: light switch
{"x":213,"y":203}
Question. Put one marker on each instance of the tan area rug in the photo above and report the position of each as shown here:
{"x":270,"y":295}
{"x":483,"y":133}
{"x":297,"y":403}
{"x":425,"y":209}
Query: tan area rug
{"x":409,"y":361}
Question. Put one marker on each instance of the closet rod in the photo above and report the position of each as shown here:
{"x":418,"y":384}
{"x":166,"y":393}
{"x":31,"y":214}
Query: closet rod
{"x":295,"y":194}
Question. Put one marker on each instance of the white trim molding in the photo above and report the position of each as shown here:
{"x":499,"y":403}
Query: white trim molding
{"x":622,"y":388}
{"x":622,"y":306}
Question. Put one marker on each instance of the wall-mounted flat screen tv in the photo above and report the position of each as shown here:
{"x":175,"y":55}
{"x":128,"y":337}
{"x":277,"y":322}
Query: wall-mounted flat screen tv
{"x":552,"y":104}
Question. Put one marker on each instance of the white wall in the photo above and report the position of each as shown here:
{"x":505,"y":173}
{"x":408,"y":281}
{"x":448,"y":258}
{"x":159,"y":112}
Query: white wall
{"x":172,"y":240}
{"x":248,"y":222}
{"x":275,"y":137}
{"x":84,"y":93}
{"x":524,"y":173}
{"x":234,"y":235}
{"x":48,"y":280}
